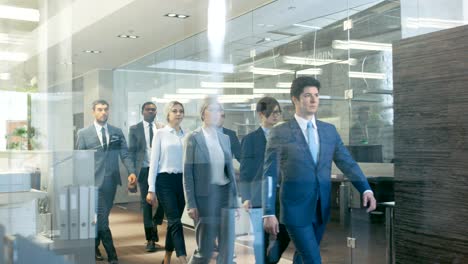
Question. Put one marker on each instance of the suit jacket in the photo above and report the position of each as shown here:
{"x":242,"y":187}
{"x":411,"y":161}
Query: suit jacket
{"x":137,"y":146}
{"x":235,"y":145}
{"x":251,"y":166}
{"x":304,"y":181}
{"x":197,"y":170}
{"x":106,"y":163}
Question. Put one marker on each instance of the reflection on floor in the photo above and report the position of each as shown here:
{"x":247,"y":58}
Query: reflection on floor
{"x":127,"y":228}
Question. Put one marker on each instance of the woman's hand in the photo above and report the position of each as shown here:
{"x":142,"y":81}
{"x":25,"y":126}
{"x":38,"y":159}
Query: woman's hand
{"x":151,"y":199}
{"x":193,"y":213}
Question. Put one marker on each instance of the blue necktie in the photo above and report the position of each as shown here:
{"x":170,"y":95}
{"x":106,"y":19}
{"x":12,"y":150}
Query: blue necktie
{"x":313,"y":147}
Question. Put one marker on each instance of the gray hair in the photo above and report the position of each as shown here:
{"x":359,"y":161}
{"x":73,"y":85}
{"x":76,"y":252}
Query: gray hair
{"x":207,"y":102}
{"x":169,"y":106}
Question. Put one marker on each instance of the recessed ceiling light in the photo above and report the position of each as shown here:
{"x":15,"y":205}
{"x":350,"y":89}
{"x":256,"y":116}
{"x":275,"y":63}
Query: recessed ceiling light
{"x":17,"y":13}
{"x":174,"y":15}
{"x":92,"y":51}
{"x":128,"y":36}
{"x":5,"y":76}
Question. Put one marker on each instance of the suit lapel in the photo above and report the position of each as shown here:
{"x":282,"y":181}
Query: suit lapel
{"x":93,"y":134}
{"x":322,"y":135}
{"x":141,"y":132}
{"x":200,"y":139}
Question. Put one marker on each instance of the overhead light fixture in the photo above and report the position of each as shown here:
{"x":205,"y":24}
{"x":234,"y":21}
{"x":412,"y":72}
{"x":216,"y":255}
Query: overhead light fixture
{"x":184,"y":96}
{"x":165,"y":101}
{"x":315,"y":62}
{"x":269,"y":71}
{"x":174,"y":15}
{"x":18,"y":13}
{"x":197,"y":91}
{"x":311,"y":71}
{"x":13,"y":56}
{"x":233,"y":101}
{"x":5,"y":76}
{"x":361,"y":45}
{"x":271,"y":91}
{"x":283,"y":84}
{"x":92,"y":51}
{"x":128,"y":36}
{"x":412,"y":22}
{"x":245,"y":85}
{"x":11,"y":39}
{"x":306,"y":26}
{"x":366,"y":75}
{"x":200,"y":66}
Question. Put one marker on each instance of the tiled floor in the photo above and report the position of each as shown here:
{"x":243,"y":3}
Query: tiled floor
{"x":126,"y":224}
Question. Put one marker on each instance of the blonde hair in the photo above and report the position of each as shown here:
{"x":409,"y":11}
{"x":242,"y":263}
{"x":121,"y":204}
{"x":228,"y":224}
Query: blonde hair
{"x":169,"y":106}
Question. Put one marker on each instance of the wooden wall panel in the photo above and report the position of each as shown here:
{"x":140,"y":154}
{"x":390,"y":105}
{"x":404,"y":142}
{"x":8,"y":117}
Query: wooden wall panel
{"x":431,"y":147}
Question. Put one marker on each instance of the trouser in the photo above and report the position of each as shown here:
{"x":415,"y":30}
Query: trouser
{"x":171,"y":197}
{"x":215,"y":220}
{"x":106,"y":195}
{"x":149,"y":221}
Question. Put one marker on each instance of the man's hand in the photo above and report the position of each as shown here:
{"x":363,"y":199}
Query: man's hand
{"x":193,"y":213}
{"x":132,"y":178}
{"x":247,"y":205}
{"x":271,"y":225}
{"x":369,"y":201}
{"x":151,"y":199}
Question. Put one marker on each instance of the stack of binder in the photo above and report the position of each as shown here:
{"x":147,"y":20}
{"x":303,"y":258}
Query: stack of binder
{"x":77,"y":212}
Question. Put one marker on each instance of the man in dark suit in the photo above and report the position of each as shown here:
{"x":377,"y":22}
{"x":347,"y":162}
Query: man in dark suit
{"x":251,"y":173}
{"x":140,"y":140}
{"x":235,"y":145}
{"x":109,"y":143}
{"x":303,"y":150}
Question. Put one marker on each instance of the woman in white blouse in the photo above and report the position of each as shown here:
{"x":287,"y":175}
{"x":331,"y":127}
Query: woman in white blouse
{"x":165,"y":179}
{"x":210,"y":186}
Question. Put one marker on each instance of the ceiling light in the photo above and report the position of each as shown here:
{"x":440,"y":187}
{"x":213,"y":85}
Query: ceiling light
{"x":283,"y":84}
{"x":184,"y":96}
{"x":233,"y":101}
{"x":174,"y":15}
{"x":92,"y":51}
{"x":13,"y":56}
{"x":165,"y":101}
{"x":227,"y":85}
{"x":306,"y":26}
{"x":128,"y":36}
{"x":366,"y":75}
{"x":412,"y":22}
{"x":17,"y":13}
{"x":271,"y":91}
{"x":11,"y":39}
{"x":315,"y":62}
{"x":269,"y":71}
{"x":197,"y":91}
{"x":188,"y":65}
{"x":361,"y":45}
{"x":5,"y":76}
{"x":311,"y":71}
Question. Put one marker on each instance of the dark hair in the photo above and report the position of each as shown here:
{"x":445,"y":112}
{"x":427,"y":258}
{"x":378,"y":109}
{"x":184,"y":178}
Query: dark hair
{"x":302,"y":82}
{"x":100,"y":101}
{"x":266,"y":105}
{"x":145,"y":104}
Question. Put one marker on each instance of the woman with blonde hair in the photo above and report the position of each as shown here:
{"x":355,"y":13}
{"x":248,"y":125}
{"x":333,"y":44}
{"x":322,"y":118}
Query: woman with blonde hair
{"x":165,"y":179}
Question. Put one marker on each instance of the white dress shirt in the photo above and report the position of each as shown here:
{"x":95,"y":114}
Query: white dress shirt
{"x":166,"y":154}
{"x":146,"y":160}
{"x":216,"y":156}
{"x":99,"y":132}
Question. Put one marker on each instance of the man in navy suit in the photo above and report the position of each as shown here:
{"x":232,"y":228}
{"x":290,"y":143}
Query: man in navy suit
{"x":251,"y":172}
{"x":303,"y":150}
{"x":140,"y":137}
{"x":109,"y":143}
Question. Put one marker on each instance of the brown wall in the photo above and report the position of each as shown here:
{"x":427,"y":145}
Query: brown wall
{"x":431,"y":147}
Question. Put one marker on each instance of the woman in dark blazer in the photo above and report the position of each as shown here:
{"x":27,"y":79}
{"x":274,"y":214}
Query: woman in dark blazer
{"x":210,"y":186}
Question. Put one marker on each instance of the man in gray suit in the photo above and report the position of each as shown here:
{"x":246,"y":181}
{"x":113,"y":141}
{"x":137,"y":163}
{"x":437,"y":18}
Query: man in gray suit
{"x":140,"y":138}
{"x":109,"y":143}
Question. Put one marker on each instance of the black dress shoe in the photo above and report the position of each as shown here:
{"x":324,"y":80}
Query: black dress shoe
{"x":150,"y":246}
{"x":114,"y":261}
{"x":98,"y":255}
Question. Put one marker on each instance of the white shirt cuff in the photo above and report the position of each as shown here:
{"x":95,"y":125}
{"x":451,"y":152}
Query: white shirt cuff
{"x":267,"y":216}
{"x":368,"y":191}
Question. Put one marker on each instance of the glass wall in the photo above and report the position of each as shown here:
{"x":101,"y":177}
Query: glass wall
{"x":57,"y":57}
